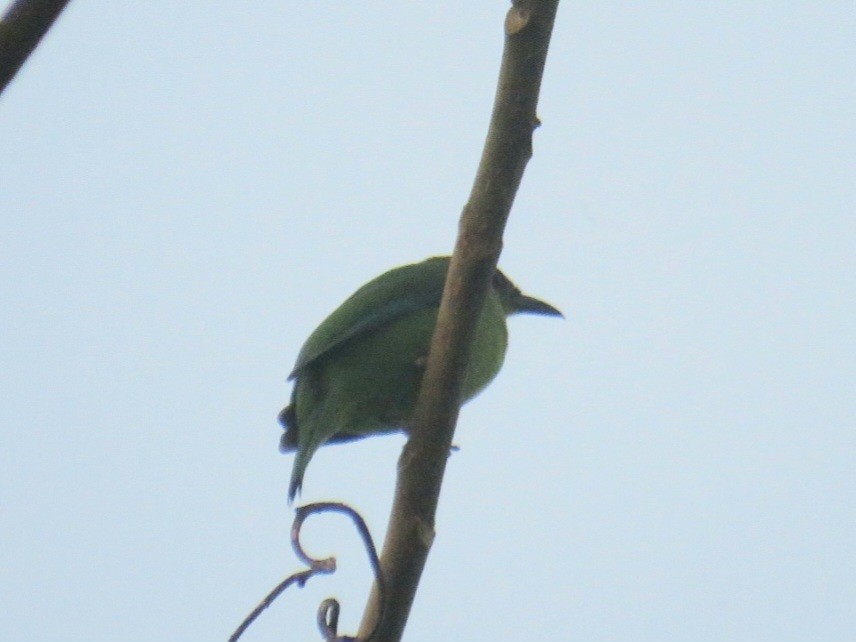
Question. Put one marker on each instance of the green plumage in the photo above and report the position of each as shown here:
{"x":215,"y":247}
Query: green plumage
{"x":359,"y":372}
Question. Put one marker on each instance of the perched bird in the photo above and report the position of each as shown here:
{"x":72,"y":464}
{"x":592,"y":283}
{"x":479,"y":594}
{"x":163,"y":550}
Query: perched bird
{"x":358,"y":374}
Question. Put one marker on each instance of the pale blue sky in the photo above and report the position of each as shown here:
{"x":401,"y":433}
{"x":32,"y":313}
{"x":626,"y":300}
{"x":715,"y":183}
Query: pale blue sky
{"x":187,"y":189}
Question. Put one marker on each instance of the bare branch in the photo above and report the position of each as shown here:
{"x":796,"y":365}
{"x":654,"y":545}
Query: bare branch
{"x":21,"y":29}
{"x":528,"y":26}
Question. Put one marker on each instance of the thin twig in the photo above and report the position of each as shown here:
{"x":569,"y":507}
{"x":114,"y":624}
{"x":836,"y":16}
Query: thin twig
{"x":328,"y":612}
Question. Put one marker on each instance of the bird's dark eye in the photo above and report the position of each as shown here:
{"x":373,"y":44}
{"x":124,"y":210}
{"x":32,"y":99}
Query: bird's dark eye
{"x":503,"y":285}
{"x":500,"y":281}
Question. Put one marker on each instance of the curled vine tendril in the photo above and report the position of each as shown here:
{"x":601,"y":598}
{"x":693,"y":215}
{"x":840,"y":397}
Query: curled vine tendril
{"x":328,"y":611}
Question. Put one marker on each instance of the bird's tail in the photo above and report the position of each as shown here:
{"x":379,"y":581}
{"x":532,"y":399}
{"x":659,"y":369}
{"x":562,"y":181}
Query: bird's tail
{"x":289,"y":443}
{"x":301,"y":460}
{"x":291,"y":437}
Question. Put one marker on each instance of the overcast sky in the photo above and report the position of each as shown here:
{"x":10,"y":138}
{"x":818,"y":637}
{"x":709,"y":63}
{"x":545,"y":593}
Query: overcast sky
{"x":188,"y":188}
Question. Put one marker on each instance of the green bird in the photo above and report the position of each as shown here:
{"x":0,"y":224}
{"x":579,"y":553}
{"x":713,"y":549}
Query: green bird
{"x":359,"y":373}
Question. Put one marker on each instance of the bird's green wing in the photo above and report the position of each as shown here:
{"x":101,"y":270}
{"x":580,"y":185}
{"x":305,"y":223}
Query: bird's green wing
{"x":390,"y":296}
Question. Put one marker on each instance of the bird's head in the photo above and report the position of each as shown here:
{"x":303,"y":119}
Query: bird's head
{"x":514,"y":301}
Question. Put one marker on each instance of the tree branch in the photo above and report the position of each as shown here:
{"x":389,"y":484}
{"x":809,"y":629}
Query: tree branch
{"x":21,"y":29}
{"x":528,"y":26}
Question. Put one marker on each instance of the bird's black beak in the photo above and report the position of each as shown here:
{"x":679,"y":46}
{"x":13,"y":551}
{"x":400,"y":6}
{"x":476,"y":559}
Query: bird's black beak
{"x":536,"y":306}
